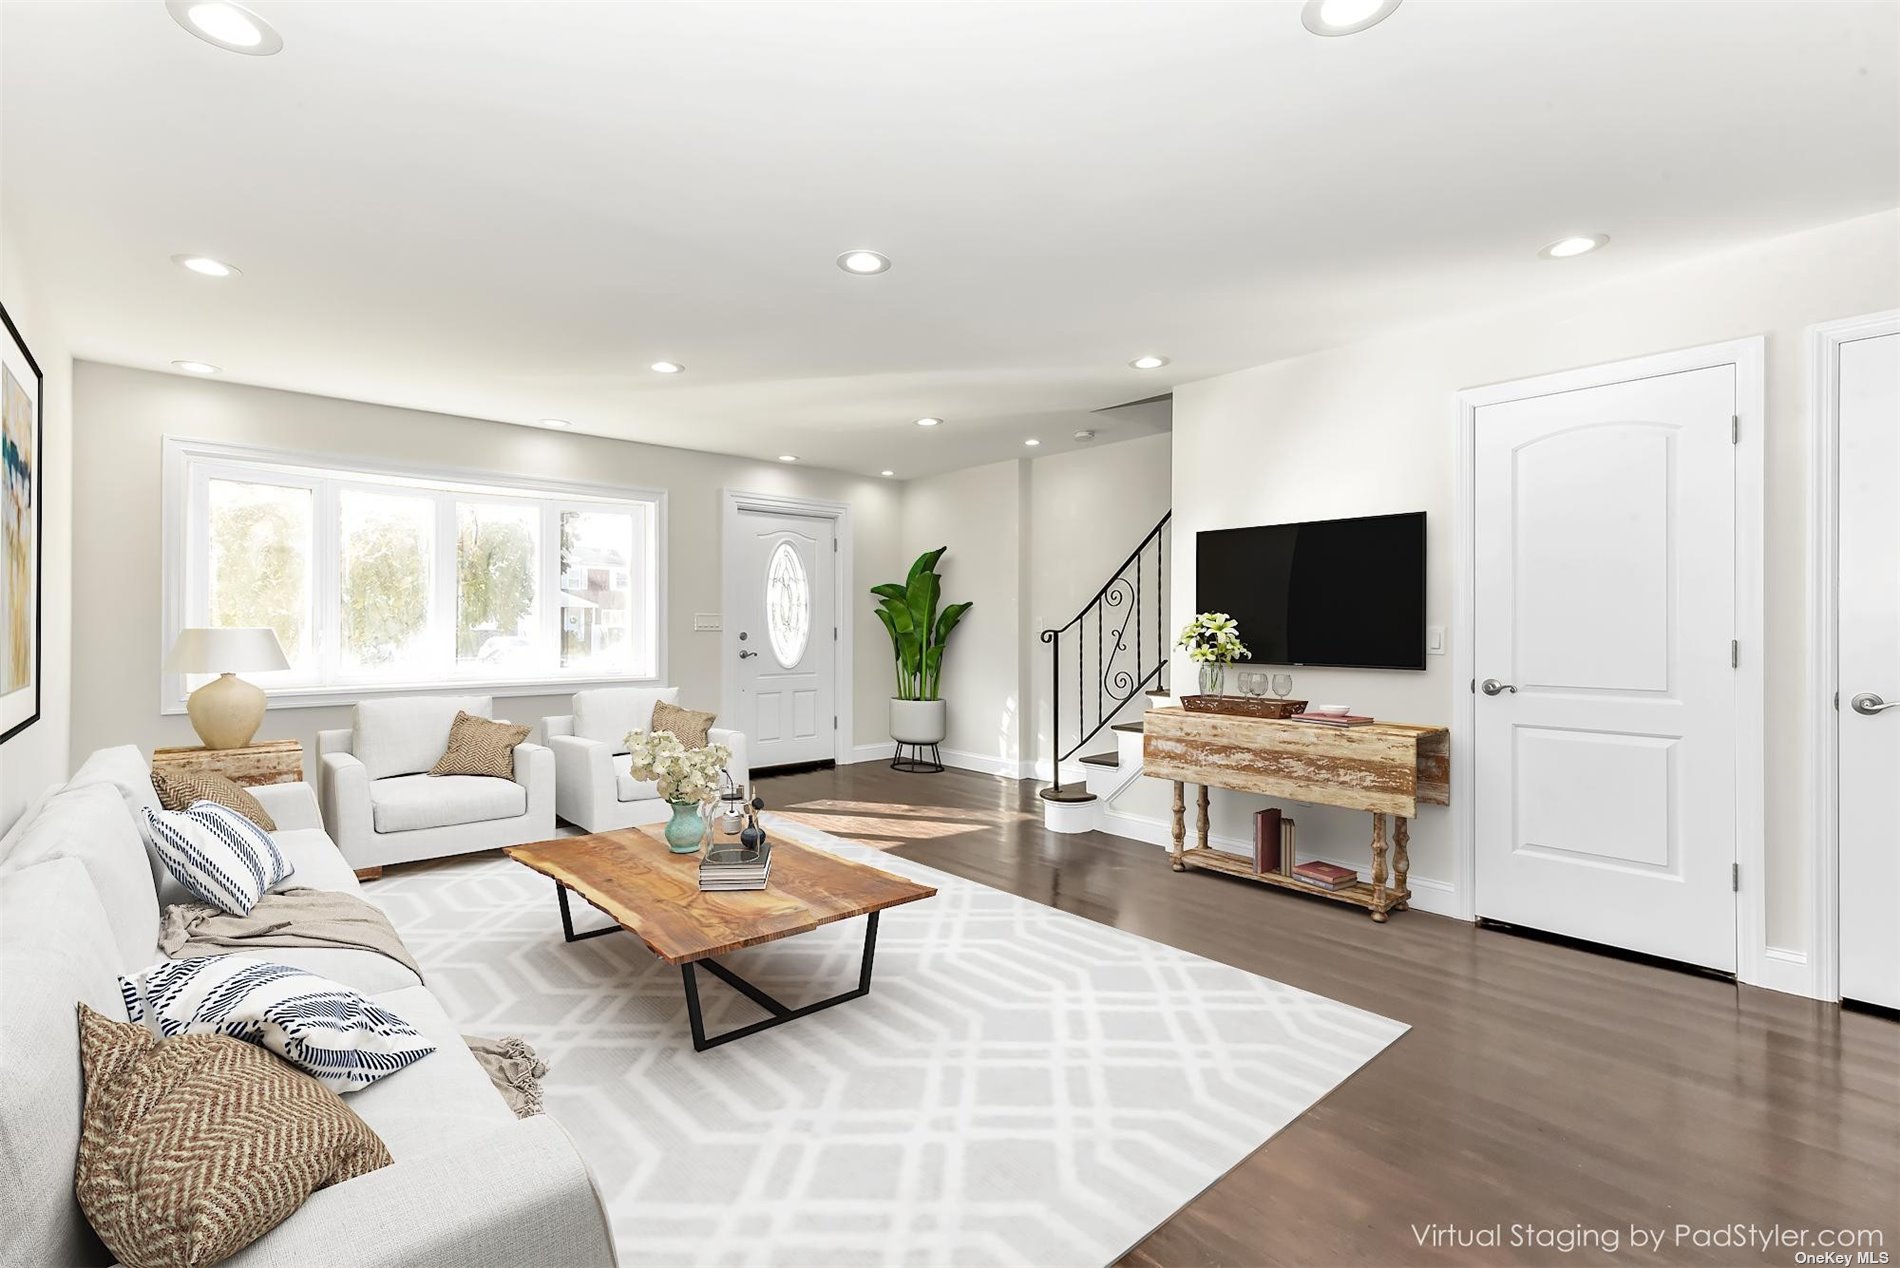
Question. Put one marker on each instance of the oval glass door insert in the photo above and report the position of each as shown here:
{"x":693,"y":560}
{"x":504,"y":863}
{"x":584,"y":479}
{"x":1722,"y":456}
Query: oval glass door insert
{"x":787,"y":606}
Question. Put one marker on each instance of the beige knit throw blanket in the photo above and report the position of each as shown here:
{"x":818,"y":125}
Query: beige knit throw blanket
{"x":514,"y":1070}
{"x":297,"y":917}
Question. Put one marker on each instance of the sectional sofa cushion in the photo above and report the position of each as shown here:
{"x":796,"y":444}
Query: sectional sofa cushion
{"x":325,"y":1029}
{"x":178,"y":790}
{"x":219,"y":855}
{"x":480,"y":746}
{"x":407,"y":736}
{"x":606,"y":714}
{"x":408,"y":802}
{"x":89,"y":824}
{"x":56,"y":949}
{"x":434,"y":1104}
{"x":195,"y":1147}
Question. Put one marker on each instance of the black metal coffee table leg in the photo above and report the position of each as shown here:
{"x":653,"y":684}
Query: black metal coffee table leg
{"x":567,"y":920}
{"x":781,"y":1013}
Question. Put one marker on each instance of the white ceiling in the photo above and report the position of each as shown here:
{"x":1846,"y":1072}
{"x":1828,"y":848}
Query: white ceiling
{"x":508,"y":210}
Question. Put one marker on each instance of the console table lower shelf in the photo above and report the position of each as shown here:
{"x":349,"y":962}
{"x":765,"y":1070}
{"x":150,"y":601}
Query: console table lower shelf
{"x":1376,"y":897}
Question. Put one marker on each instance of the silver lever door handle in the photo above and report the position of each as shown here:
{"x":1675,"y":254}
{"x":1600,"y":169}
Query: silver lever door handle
{"x":746,"y":655}
{"x":1870,"y":704}
{"x":1492,"y":687}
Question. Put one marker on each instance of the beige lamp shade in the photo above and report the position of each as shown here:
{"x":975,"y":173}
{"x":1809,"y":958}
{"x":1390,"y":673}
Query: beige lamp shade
{"x":203,"y":650}
{"x":226,"y":711}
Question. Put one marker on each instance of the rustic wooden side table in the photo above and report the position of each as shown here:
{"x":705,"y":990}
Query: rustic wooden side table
{"x":269,"y":762}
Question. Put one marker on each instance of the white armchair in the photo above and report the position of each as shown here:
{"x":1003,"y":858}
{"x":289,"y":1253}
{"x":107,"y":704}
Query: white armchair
{"x":592,"y":787}
{"x":381,"y":806}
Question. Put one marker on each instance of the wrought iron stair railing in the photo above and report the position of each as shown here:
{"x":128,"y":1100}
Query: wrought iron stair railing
{"x":1109,"y":653}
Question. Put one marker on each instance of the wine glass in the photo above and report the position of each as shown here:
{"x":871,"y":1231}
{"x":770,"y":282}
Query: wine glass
{"x":1283,"y":685}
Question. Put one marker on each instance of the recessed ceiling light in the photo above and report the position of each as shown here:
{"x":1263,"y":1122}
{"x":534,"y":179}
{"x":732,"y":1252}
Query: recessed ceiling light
{"x":788,"y":457}
{"x":196,"y":367}
{"x":553,"y":422}
{"x":887,"y":473}
{"x":1565,"y":248}
{"x":229,"y":26}
{"x":1086,"y":434}
{"x":666,"y":367}
{"x":1148,"y":363}
{"x":930,"y":422}
{"x":1032,"y":442}
{"x":206,"y":265}
{"x":864,"y":262}
{"x":1345,"y":17}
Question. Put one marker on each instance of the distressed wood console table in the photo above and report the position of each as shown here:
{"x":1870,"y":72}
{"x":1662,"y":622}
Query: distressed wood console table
{"x":1386,"y":768}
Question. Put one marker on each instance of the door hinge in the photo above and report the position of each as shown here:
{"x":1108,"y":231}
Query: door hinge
{"x":1735,"y":653}
{"x":1837,"y":702}
{"x":1734,"y":434}
{"x":1735,"y":877}
{"x":1474,"y":686}
{"x":834,"y":545}
{"x":834,"y":721}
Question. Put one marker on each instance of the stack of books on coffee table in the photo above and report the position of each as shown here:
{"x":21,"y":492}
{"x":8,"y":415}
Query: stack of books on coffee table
{"x":727,"y":868}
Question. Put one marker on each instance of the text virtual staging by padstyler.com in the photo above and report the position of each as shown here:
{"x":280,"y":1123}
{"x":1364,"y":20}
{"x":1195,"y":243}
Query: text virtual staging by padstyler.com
{"x":1774,"y":1243}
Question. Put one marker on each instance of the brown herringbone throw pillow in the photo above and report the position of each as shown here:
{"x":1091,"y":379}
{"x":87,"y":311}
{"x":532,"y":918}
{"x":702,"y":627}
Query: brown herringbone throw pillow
{"x":178,"y":789}
{"x":194,"y":1147}
{"x":688,"y":727}
{"x":480,"y":746}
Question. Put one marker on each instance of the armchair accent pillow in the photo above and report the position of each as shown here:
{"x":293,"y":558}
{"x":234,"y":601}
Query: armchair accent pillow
{"x":219,"y":855}
{"x":689,"y":727}
{"x":480,"y":746}
{"x":178,"y":790}
{"x":324,"y":1029}
{"x":193,"y":1148}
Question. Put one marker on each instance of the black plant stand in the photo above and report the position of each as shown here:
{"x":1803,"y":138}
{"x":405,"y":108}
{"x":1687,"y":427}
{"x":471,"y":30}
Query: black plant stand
{"x":918,"y":763}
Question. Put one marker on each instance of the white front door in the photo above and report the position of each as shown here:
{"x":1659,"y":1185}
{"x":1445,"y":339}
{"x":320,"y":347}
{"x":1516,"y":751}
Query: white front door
{"x":1868,"y":390}
{"x":781,"y":572}
{"x":1605,"y":598}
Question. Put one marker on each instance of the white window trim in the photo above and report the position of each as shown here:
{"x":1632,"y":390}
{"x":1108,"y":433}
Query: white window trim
{"x":181,"y":457}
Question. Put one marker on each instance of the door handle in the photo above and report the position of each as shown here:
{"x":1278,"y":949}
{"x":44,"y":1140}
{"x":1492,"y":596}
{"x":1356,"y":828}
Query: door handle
{"x":746,"y":655}
{"x":1870,"y":704}
{"x":1492,"y":687}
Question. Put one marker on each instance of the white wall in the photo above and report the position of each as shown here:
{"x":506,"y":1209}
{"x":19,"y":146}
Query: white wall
{"x":36,"y":757}
{"x":1367,"y":428}
{"x":121,"y":416}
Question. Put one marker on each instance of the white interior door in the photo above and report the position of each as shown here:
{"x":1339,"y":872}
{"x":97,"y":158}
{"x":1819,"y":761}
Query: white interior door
{"x":782,"y":571}
{"x":1605,"y":599}
{"x":1869,"y":735}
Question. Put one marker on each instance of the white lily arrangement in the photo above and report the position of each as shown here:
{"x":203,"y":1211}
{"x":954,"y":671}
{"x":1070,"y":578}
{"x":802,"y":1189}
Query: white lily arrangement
{"x":1213,"y":638}
{"x":683,"y":774}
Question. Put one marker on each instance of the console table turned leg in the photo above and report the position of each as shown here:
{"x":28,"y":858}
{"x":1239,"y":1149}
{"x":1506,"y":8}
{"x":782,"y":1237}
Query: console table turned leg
{"x":1378,"y":868}
{"x":1180,"y":825}
{"x":1401,"y":860}
{"x":1202,"y":826}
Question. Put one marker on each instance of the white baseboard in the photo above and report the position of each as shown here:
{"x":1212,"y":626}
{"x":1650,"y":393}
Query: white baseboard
{"x":1781,"y":969}
{"x":870,"y":753}
{"x":1428,"y":894}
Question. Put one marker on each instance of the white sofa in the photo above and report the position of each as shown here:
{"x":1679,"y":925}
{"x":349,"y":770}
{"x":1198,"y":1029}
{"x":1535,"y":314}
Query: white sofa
{"x":383,"y":807}
{"x":592,"y":787}
{"x":80,"y":902}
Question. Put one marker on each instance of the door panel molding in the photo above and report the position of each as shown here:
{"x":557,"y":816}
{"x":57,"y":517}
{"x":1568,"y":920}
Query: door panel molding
{"x":1817,"y":974}
{"x":734,"y":503}
{"x":1746,"y":358}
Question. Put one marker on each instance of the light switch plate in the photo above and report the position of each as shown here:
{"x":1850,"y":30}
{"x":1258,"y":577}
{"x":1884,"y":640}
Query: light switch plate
{"x":708,"y":621}
{"x":1435,"y":640}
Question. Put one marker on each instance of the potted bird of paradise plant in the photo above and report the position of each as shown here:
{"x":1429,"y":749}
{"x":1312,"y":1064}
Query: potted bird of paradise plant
{"x":919,"y":631}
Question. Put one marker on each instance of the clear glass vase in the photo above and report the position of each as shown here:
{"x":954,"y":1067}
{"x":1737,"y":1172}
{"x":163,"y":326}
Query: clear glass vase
{"x":686,"y":830}
{"x":1213,"y":678}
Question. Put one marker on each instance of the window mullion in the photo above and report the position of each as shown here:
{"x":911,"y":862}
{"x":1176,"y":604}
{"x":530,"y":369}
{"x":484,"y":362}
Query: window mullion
{"x":327,"y":549}
{"x":443,"y":624}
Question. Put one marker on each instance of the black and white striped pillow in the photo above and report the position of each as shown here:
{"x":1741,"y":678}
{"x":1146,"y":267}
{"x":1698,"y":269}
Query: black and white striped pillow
{"x":218,"y":854}
{"x":327,"y":1030}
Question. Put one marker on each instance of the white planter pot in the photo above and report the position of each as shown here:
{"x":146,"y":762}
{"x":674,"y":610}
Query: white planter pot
{"x":918,"y":721}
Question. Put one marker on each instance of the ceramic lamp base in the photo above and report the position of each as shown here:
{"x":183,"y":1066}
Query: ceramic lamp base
{"x":226,"y":711}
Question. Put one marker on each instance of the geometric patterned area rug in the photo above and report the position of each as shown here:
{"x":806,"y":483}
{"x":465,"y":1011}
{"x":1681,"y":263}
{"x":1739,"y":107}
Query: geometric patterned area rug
{"x":1022,"y":1086}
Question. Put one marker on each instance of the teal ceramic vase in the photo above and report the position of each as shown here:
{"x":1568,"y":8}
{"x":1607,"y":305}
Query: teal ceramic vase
{"x":686,"y":829}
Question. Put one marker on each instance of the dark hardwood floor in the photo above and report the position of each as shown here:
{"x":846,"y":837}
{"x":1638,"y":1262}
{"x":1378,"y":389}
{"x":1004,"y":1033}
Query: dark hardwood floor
{"x":1541,"y":1085}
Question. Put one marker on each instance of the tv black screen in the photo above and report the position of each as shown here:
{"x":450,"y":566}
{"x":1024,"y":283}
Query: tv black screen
{"x":1340,"y":593}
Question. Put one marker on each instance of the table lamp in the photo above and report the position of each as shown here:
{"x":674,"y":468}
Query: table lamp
{"x":226,"y":711}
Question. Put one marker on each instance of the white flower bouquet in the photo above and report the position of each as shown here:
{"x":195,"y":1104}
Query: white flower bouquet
{"x":1213,"y":638}
{"x":683,"y":774}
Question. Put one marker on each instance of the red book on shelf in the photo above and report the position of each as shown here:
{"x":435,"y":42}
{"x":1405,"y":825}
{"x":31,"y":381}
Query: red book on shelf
{"x":1266,"y":840}
{"x":1326,"y":875}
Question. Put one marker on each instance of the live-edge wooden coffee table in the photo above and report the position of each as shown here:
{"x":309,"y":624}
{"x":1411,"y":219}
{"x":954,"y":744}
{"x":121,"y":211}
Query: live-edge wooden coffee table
{"x":654,"y":894}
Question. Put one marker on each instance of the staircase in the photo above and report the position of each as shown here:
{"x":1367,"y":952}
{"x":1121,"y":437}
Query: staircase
{"x":1105,"y":663}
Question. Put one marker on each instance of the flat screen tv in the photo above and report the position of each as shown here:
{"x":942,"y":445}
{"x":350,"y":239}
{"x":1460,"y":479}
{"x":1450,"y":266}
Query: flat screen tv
{"x":1339,"y":593}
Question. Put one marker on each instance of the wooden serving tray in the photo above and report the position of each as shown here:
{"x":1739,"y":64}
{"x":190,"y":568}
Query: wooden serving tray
{"x":1244,"y":706}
